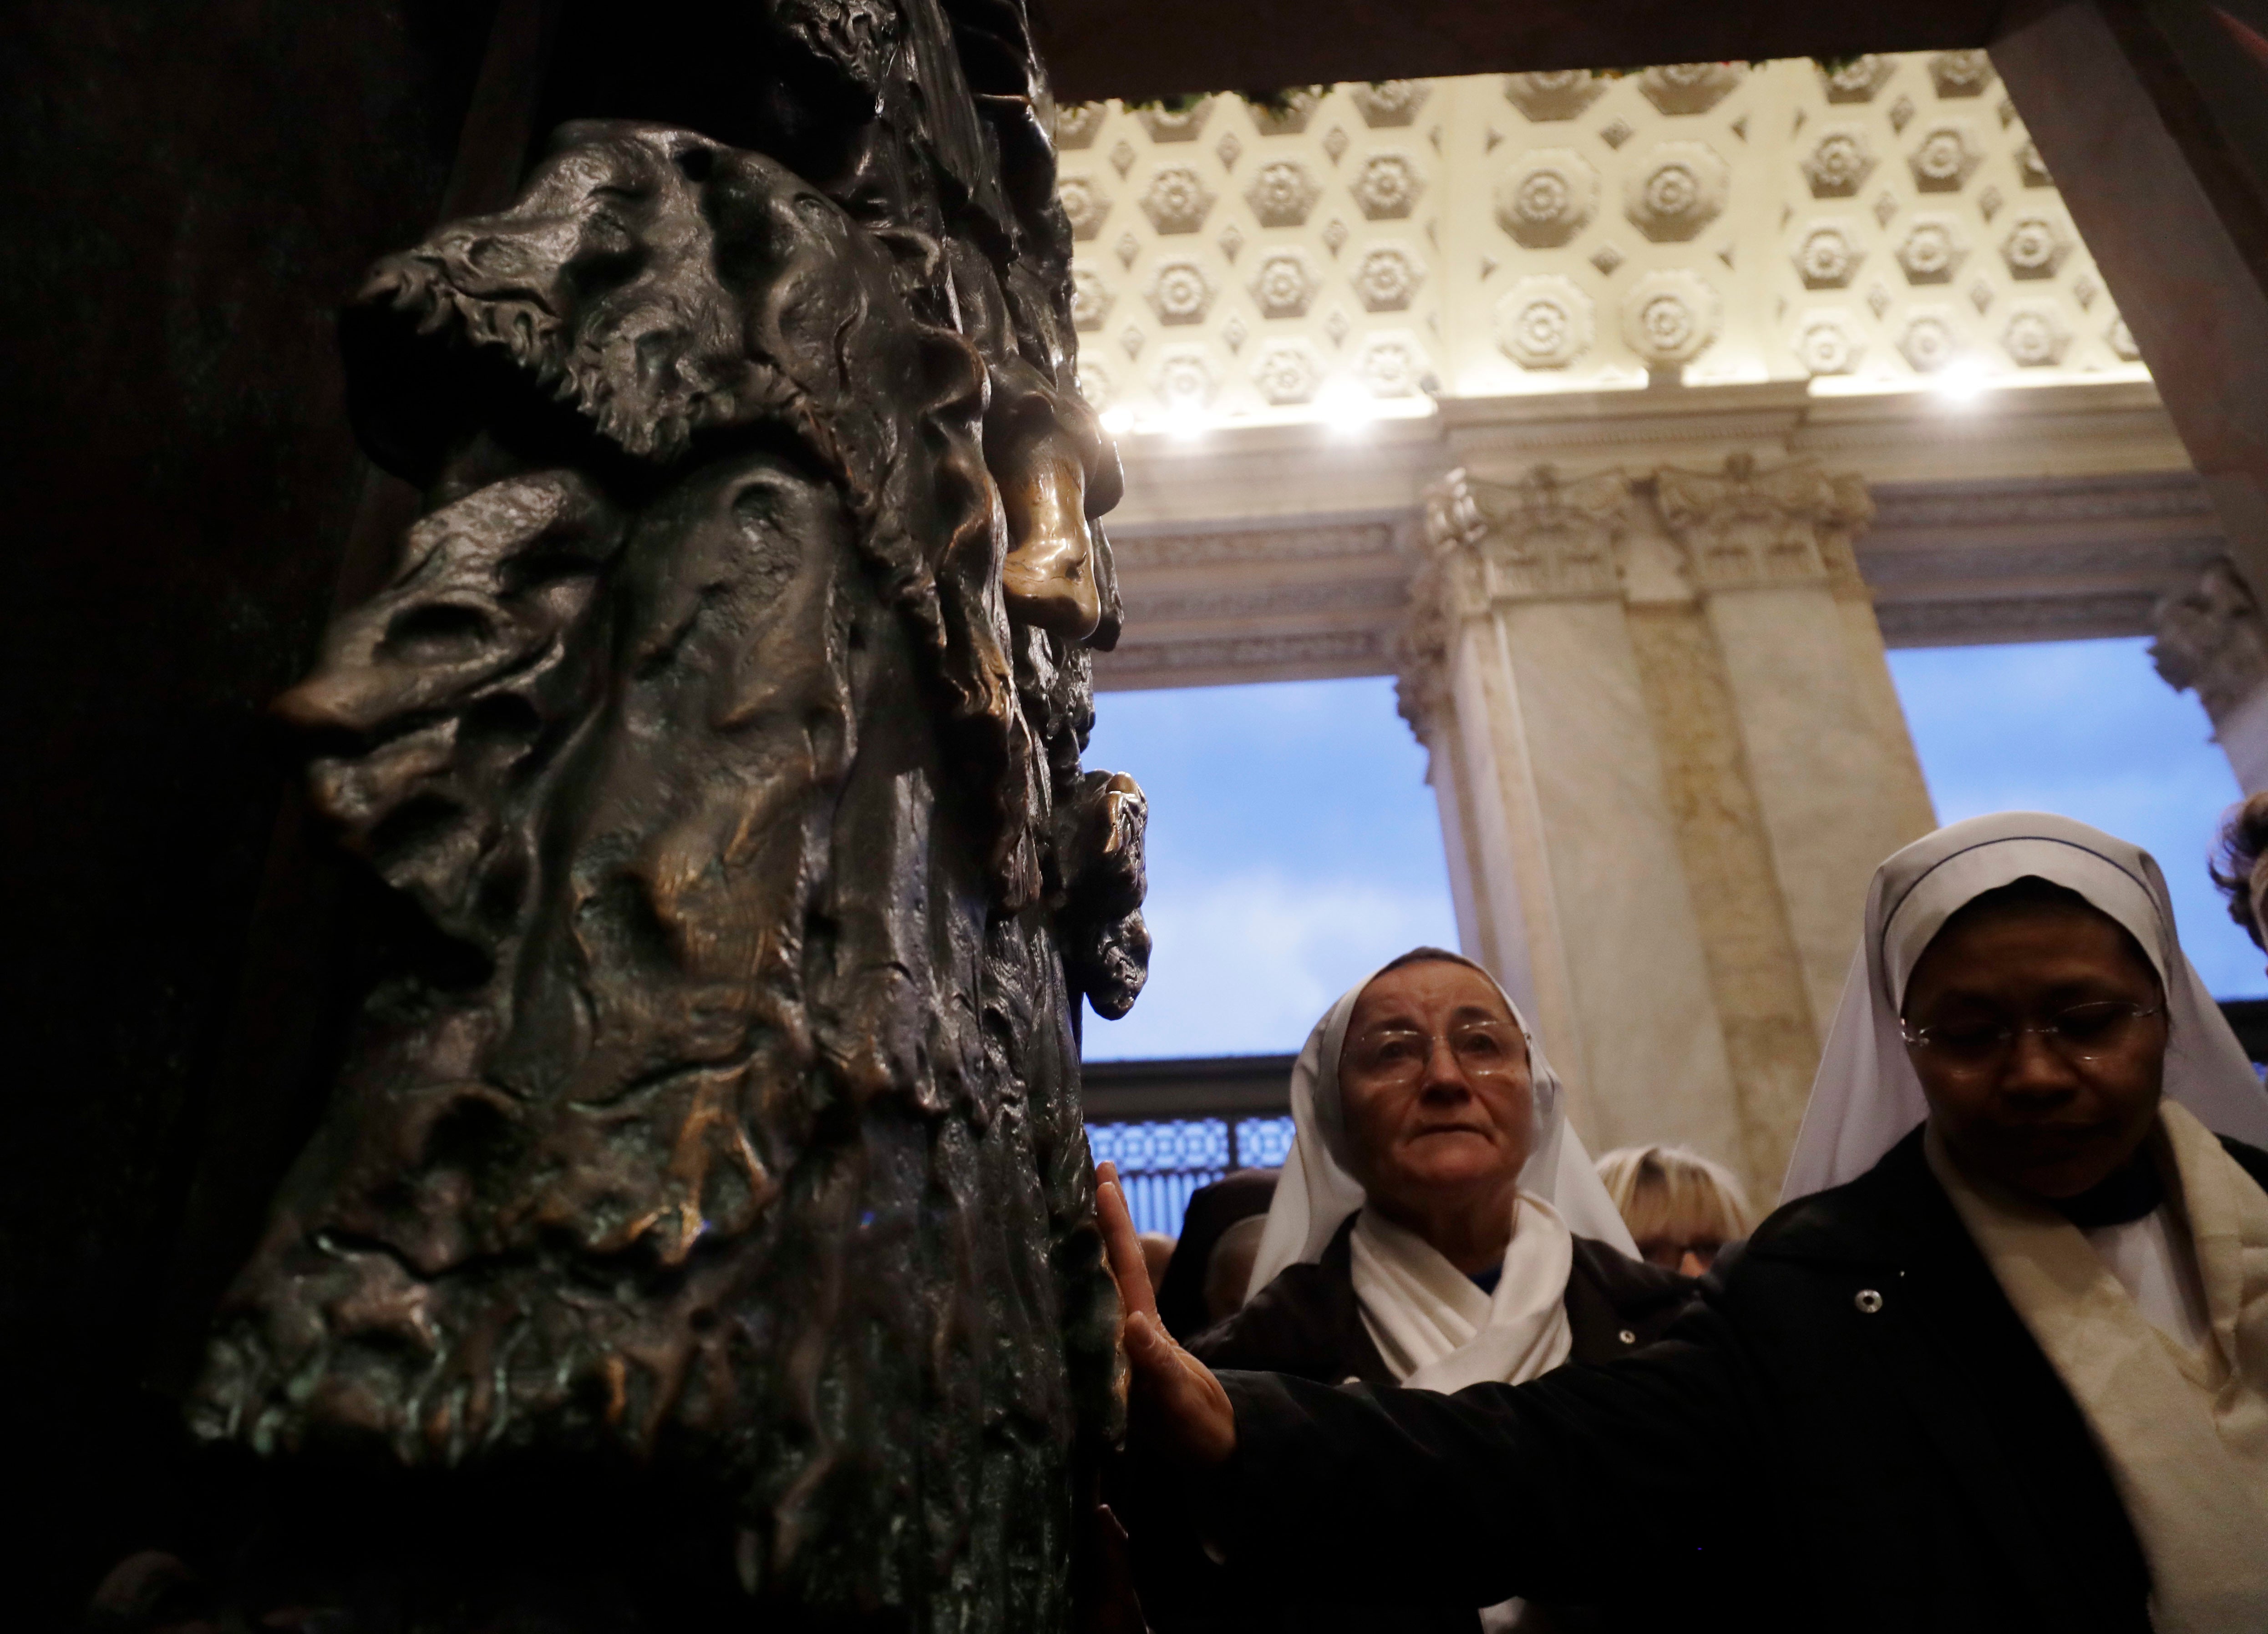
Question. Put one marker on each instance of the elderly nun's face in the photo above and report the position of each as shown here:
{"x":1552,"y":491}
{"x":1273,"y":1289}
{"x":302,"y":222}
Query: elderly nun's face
{"x":2047,"y":1113}
{"x":1434,"y":1079}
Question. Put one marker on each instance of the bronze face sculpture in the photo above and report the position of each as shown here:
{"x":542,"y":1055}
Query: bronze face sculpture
{"x":718,"y":734}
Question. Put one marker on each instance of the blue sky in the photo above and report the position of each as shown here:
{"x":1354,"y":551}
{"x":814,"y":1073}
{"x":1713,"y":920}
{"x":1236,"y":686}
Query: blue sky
{"x":1292,"y":846}
{"x":1293,"y":843}
{"x":2085,"y":728}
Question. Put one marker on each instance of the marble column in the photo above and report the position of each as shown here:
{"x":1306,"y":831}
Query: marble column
{"x":1668,"y":756}
{"x":2210,"y":641}
{"x":1837,"y":784}
{"x":1521,"y":676}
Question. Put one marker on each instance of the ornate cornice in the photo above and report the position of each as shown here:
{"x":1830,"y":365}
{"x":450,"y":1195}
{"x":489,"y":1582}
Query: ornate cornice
{"x":2040,"y":559}
{"x":1967,"y":506}
{"x":1946,"y":561}
{"x":1320,"y":542}
{"x":1228,"y":659}
{"x":1991,"y":619}
{"x":1263,"y":601}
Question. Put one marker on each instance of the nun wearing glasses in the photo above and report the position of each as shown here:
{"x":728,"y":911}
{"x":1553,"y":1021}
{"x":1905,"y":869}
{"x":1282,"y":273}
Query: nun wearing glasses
{"x":1437,"y":1225}
{"x":2000,"y":1362}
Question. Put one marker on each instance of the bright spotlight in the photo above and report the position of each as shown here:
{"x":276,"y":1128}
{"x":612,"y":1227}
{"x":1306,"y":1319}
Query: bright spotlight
{"x":1962,"y":381}
{"x":1118,"y":421}
{"x":1344,"y":407}
{"x":1184,"y":421}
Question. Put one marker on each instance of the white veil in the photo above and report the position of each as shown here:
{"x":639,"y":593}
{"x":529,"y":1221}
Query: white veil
{"x":1316,"y":1192}
{"x":1866,"y":1097}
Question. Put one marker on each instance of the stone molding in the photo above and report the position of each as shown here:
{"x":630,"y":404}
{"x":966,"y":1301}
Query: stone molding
{"x":1224,"y":660}
{"x":1227,"y":604}
{"x":1226,"y":544}
{"x":1972,"y":504}
{"x":2002,"y":619}
{"x":2210,"y":640}
{"x":2040,"y":559}
{"x":1956,"y":564}
{"x":1144,"y":552}
{"x":1272,"y":600}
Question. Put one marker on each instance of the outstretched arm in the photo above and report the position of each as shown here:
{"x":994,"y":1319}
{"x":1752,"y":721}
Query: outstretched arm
{"x":1614,"y":1483}
{"x":1593,"y":1482}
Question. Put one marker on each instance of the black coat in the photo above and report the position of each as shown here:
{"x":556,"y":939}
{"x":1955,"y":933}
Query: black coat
{"x":1307,"y":1324}
{"x":1852,"y":1431}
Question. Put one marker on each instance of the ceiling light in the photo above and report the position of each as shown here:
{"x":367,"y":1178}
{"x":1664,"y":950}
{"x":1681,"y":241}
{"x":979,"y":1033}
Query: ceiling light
{"x":1962,"y":381}
{"x":1344,"y":406}
{"x":1185,"y":422}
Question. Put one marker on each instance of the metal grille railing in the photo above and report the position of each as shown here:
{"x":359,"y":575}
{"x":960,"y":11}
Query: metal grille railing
{"x":1162,"y":1161}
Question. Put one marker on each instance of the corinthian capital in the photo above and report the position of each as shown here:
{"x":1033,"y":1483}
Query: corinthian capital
{"x":1421,"y":685}
{"x":1544,"y":537}
{"x":1442,"y":588}
{"x":1742,"y":526}
{"x":1452,"y":515}
{"x":1488,"y":544}
{"x":2210,"y":640}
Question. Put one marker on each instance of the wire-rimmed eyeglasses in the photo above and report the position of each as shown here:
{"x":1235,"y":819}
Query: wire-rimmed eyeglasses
{"x":1482,"y":1048}
{"x":2085,"y":1031}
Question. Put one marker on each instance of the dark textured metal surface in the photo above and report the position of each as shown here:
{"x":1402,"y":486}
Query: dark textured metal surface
{"x":700,"y":1226}
{"x":1099,"y":49}
{"x":192,"y":189}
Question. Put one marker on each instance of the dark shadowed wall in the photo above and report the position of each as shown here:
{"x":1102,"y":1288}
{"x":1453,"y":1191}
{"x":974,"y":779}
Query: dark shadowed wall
{"x":187,"y":191}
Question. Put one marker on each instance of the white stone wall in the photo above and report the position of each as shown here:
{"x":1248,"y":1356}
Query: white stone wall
{"x":1886,"y":228}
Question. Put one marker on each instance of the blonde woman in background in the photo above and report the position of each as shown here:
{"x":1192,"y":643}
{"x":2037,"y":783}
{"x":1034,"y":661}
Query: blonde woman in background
{"x":1681,"y":1208}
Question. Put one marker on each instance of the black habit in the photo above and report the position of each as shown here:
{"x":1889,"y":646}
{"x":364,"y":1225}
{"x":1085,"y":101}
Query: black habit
{"x":1852,"y":1431}
{"x":1307,"y":1324}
